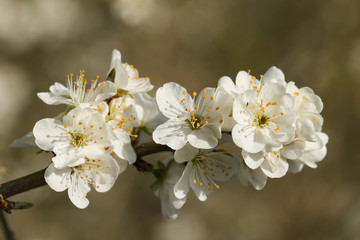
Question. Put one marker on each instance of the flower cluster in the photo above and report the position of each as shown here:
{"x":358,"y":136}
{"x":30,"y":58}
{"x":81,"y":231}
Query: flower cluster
{"x":251,"y":130}
{"x":93,"y":139}
{"x":275,"y":128}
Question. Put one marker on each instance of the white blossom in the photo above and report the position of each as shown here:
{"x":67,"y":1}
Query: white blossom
{"x":244,"y":81}
{"x":204,"y":168}
{"x":272,"y":164}
{"x":265,"y":120}
{"x":170,"y":204}
{"x":255,"y":177}
{"x":127,"y":78}
{"x":195,"y":120}
{"x":120,"y":133}
{"x":79,"y":91}
{"x":81,"y":133}
{"x":246,"y":175}
{"x":144,"y":116}
{"x":101,"y":173}
{"x":309,"y":146}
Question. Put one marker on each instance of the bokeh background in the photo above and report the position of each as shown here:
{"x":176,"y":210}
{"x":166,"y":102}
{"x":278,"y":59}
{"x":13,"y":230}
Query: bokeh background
{"x":194,"y":43}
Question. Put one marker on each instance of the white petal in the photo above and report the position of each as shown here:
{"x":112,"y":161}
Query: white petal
{"x":64,"y":160}
{"x":294,"y":150}
{"x":291,"y":88}
{"x":171,"y":133}
{"x":295,"y":166}
{"x":226,"y":83}
{"x":26,"y":141}
{"x":169,"y":99}
{"x":240,"y":112}
{"x":60,"y":89}
{"x":182,"y":186}
{"x":122,"y":146}
{"x":243,"y":80}
{"x":315,"y":154}
{"x":245,"y":137}
{"x":274,"y":75}
{"x":272,"y":92}
{"x":199,"y":192}
{"x":185,"y":154}
{"x":149,"y":107}
{"x":315,"y":118}
{"x":305,"y":129}
{"x":275,"y":170}
{"x":53,"y":99}
{"x":102,"y":107}
{"x":58,"y":179}
{"x":258,"y":179}
{"x":77,"y":191}
{"x":243,"y":174}
{"x":121,"y":77}
{"x":202,"y":138}
{"x":225,"y":100}
{"x":106,"y":90}
{"x":324,"y":137}
{"x":48,"y":132}
{"x":106,"y":175}
{"x":169,"y":203}
{"x":139,"y":85}
{"x":253,"y":160}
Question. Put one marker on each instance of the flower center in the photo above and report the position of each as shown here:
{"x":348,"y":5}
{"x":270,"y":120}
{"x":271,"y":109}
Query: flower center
{"x":262,"y":120}
{"x":79,"y":89}
{"x":78,"y":140}
{"x":196,"y":121}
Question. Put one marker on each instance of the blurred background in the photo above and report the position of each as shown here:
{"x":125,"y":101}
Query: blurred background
{"x":194,"y":43}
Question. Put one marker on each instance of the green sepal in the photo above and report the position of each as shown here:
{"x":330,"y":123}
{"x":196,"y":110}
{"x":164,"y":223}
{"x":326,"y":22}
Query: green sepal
{"x":111,"y":76}
{"x":71,"y":107}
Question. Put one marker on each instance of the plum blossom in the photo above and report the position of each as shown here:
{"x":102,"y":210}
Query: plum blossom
{"x":264,"y":118}
{"x":126,"y":77}
{"x":144,"y":116}
{"x":313,"y":152}
{"x":204,"y":168}
{"x":195,"y":120}
{"x":246,"y":175}
{"x":120,"y":134}
{"x":81,"y":133}
{"x":170,"y":204}
{"x":272,"y":164}
{"x":79,"y":91}
{"x":101,"y":173}
{"x":244,"y":81}
{"x":255,"y":177}
{"x":309,"y":146}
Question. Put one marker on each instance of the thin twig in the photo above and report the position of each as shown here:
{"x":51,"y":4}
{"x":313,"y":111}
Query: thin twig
{"x":23,"y":184}
{"x":7,"y":231}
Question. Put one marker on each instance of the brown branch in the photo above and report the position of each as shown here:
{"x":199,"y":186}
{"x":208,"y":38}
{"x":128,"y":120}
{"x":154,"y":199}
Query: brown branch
{"x":36,"y":179}
{"x":150,"y":148}
{"x":23,"y":184}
